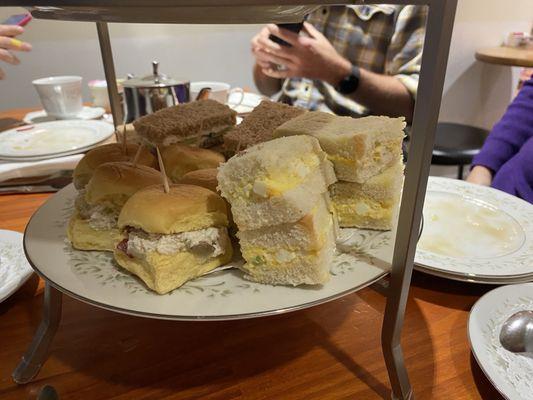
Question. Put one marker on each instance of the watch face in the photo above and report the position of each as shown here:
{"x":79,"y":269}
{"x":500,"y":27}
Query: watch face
{"x":350,"y":83}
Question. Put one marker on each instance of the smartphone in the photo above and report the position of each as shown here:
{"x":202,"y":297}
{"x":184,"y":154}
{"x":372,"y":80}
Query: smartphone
{"x":19,"y":19}
{"x":295,"y":27}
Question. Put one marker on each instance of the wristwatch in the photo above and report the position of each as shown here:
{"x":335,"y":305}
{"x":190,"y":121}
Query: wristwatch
{"x":349,"y":83}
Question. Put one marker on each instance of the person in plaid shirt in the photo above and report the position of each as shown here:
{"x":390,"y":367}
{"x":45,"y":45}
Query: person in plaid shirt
{"x":349,"y":60}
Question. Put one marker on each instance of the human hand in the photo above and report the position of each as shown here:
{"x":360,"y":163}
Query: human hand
{"x":480,"y":175}
{"x":311,"y":56}
{"x":8,"y":44}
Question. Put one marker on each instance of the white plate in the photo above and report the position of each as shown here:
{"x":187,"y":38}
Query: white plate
{"x":86,"y":113}
{"x":94,"y":278}
{"x":475,"y":233}
{"x":250,"y":101}
{"x":14,"y":269}
{"x":52,"y":139}
{"x":510,"y":373}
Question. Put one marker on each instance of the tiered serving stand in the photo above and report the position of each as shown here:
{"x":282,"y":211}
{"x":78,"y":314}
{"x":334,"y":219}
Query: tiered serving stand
{"x":47,"y":256}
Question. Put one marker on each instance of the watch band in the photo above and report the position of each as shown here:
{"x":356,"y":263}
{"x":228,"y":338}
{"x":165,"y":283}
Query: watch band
{"x":350,"y":83}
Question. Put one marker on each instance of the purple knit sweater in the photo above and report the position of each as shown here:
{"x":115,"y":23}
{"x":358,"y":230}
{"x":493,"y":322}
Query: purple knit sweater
{"x":508,"y":150}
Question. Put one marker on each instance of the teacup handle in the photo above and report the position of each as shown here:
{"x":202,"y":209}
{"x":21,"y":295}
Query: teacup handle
{"x":237,"y":90}
{"x":59,"y":91}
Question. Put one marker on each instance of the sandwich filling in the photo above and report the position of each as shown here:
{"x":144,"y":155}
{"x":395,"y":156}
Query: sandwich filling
{"x":100,"y":217}
{"x":205,"y":138}
{"x":209,"y":242}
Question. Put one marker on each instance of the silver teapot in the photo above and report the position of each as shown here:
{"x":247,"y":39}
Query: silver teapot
{"x":151,"y":93}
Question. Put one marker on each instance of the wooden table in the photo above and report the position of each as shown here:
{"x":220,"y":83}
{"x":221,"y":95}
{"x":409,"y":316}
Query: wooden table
{"x":327,"y":352}
{"x":513,"y":56}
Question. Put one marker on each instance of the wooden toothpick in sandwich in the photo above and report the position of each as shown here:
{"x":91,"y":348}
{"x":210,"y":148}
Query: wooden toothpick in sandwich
{"x":163,"y":172}
{"x":124,"y":141}
{"x":137,"y":155}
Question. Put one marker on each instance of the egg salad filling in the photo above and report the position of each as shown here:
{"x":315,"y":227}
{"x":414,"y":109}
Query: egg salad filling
{"x":350,"y":209}
{"x":258,"y":257}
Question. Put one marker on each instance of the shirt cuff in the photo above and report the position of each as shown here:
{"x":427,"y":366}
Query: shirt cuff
{"x":410,"y":82}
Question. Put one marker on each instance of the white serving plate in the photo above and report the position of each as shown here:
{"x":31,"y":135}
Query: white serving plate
{"x":94,"y":278}
{"x":14,"y":269}
{"x":87,"y":113}
{"x":511,"y":374}
{"x":475,"y":233}
{"x":52,"y":139}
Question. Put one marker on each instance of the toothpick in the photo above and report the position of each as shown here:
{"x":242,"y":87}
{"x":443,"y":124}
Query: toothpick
{"x":137,"y":155}
{"x":117,"y":139}
{"x":163,"y":172}
{"x":124,"y":141}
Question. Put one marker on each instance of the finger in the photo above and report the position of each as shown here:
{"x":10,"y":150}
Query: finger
{"x":2,"y":75}
{"x":9,"y":57}
{"x":271,"y":47}
{"x":312,"y":31}
{"x":285,"y":34}
{"x":14,"y":44}
{"x":272,"y":58}
{"x":11,"y":30}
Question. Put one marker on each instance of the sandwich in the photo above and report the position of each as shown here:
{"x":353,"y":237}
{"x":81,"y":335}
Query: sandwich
{"x":198,"y":123}
{"x":291,"y":253}
{"x":108,"y":153}
{"x":358,"y":147}
{"x":370,"y":205}
{"x":259,"y":125}
{"x":275,"y":182}
{"x":180,"y":159}
{"x":206,"y":178}
{"x":93,"y":226}
{"x":171,"y":238}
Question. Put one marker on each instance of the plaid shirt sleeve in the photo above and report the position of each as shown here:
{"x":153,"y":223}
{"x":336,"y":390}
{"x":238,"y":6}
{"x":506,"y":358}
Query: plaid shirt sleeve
{"x":404,"y":54}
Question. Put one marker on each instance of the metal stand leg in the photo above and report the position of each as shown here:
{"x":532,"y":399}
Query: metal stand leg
{"x":460,"y":169}
{"x":437,"y":43}
{"x":37,"y":353}
{"x":109,"y":70}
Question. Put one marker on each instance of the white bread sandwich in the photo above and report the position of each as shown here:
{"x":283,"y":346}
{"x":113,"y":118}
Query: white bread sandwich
{"x":358,"y":147}
{"x":108,"y":153}
{"x":259,"y":125}
{"x":171,"y":238}
{"x":93,"y":226}
{"x":291,"y":253}
{"x":275,"y":182}
{"x":179,"y":159}
{"x":198,"y":123}
{"x":370,"y":205}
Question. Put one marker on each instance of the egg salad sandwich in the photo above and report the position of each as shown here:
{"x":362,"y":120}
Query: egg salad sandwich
{"x":179,"y":159}
{"x":358,"y":147}
{"x":291,"y":253}
{"x":173,"y":237}
{"x":275,"y":182}
{"x":198,"y":123}
{"x":108,"y":153}
{"x":93,"y":226}
{"x":370,"y":205}
{"x":259,"y":125}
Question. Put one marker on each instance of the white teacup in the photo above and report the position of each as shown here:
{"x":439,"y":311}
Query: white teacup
{"x":60,"y":95}
{"x":220,"y":91}
{"x":98,"y":89}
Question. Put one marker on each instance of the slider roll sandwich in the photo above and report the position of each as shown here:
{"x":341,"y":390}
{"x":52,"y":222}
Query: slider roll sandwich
{"x":180,"y":159}
{"x":93,"y":226}
{"x":275,"y":182}
{"x":370,"y":205}
{"x":198,"y":123}
{"x":206,"y":178}
{"x":359,"y":148}
{"x":259,"y":125}
{"x":108,"y":153}
{"x":171,"y":238}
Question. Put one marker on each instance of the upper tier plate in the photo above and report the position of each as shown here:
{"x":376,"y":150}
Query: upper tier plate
{"x":93,"y":277}
{"x":475,"y":233}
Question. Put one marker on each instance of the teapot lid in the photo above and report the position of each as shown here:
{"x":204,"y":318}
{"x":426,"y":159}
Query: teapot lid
{"x":155,"y":80}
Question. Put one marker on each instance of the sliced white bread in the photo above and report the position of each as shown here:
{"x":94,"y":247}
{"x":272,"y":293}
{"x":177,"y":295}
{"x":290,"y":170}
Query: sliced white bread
{"x":358,"y":147}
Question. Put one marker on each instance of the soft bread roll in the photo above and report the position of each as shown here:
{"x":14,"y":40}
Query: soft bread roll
{"x":370,"y":205}
{"x":164,"y":273}
{"x":275,"y":182}
{"x":206,"y":178}
{"x":113,"y":183}
{"x":184,"y":208}
{"x":108,"y":153}
{"x":358,"y":147}
{"x":84,"y":237}
{"x":180,"y":159}
{"x":293,"y":253}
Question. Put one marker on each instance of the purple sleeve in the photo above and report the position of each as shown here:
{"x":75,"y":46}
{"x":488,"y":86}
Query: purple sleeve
{"x":510,"y":133}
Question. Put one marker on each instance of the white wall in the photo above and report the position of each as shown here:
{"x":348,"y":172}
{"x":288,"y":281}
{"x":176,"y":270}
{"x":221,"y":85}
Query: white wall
{"x":475,"y":93}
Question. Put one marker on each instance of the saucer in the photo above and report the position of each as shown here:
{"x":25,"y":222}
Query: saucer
{"x":41,"y":116}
